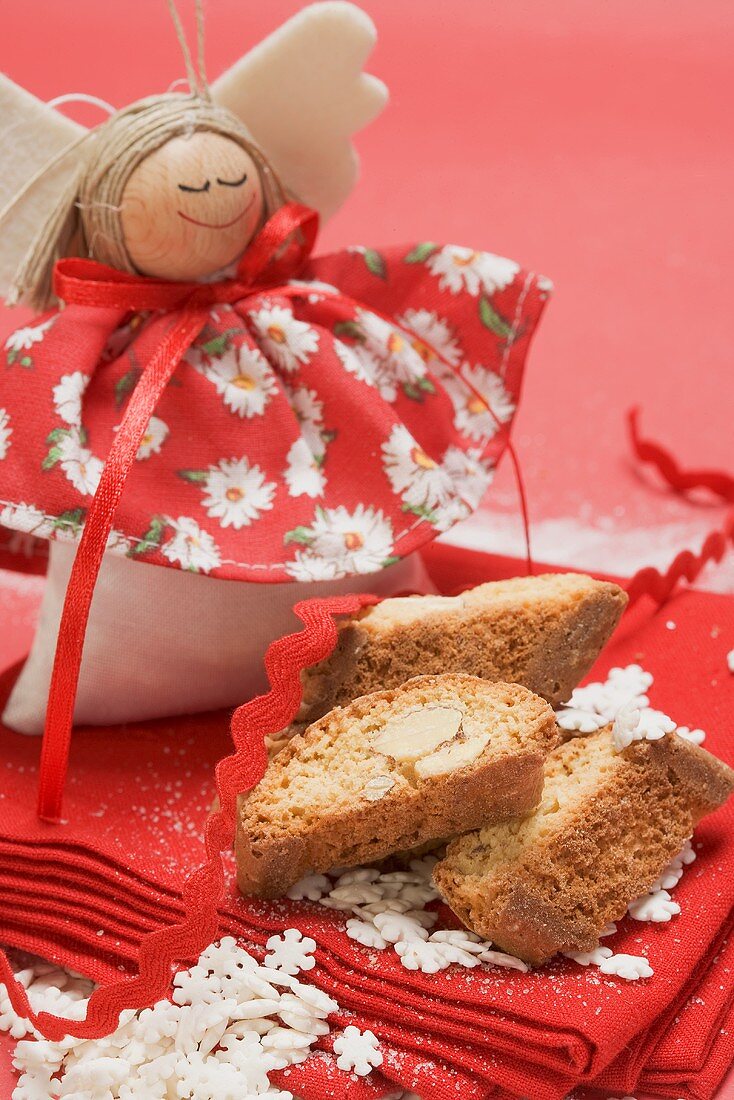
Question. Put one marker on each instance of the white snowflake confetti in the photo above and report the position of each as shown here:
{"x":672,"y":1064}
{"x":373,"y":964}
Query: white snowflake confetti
{"x":595,"y":957}
{"x":657,"y":908}
{"x":399,"y":926}
{"x":576,"y":720}
{"x":654,"y":724}
{"x":358,"y":1051}
{"x":196,"y":986}
{"x":428,"y":957}
{"x":629,"y":967}
{"x":196,"y":1047}
{"x":696,"y":736}
{"x":626,"y":728}
{"x":365,"y":933}
{"x":639,"y":724}
{"x":500,"y":958}
{"x":312,"y":887}
{"x":595,"y":705}
{"x":291,"y":952}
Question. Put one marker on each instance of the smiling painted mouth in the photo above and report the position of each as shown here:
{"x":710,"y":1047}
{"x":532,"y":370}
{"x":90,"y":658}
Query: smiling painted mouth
{"x":221,"y":225}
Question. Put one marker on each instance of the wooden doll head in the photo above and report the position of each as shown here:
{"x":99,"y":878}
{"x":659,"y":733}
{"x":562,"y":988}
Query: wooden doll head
{"x":172,"y":187}
{"x":191,"y":207}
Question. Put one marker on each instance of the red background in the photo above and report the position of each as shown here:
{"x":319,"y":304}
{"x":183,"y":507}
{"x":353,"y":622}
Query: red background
{"x":590,"y":141}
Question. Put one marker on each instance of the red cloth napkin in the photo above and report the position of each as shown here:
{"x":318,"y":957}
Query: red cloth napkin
{"x":85,"y":893}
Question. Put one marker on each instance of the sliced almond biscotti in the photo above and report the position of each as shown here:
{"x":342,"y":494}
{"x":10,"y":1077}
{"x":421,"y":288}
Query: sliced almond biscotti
{"x":543,"y":632}
{"x":606,"y":827}
{"x":431,"y":758}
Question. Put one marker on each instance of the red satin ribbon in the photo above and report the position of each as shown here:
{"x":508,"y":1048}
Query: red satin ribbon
{"x":278,"y":252}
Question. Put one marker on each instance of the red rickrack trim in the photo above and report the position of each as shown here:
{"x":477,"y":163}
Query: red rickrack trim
{"x":285,"y":659}
{"x":686,"y":565}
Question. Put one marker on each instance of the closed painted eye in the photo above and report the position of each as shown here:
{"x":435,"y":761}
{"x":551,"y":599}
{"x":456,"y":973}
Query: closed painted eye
{"x":233,"y":183}
{"x":187,"y":187}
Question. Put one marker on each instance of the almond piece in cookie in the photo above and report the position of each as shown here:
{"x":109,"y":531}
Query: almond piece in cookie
{"x":431,"y":758}
{"x":543,"y":632}
{"x":606,"y":827}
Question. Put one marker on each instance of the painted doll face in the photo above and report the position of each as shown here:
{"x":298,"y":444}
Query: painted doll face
{"x":191,"y":207}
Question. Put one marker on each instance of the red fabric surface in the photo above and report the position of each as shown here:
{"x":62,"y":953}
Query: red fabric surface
{"x":134,"y":831}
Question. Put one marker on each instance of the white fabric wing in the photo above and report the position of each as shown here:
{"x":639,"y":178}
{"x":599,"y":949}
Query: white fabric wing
{"x":302,"y":94}
{"x":31,"y":133}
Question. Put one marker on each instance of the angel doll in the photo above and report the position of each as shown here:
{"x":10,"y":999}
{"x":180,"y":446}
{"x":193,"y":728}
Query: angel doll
{"x":204,"y":402}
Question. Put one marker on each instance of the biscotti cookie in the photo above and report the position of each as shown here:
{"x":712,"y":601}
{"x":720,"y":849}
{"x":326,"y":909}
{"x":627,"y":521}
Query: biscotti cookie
{"x":543,"y":632}
{"x":606,"y":827}
{"x":431,"y":758}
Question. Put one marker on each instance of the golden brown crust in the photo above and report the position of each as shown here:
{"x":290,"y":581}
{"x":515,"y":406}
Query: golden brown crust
{"x":310,"y":812}
{"x":543,"y":632}
{"x":586,"y":858}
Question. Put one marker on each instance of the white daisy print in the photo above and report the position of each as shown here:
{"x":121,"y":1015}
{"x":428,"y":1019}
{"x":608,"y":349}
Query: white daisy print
{"x":471,"y":414}
{"x":245,"y":380}
{"x":117,"y":543}
{"x":154,"y":438}
{"x":5,"y":433}
{"x":306,"y":567}
{"x":190,"y":547}
{"x":27,"y":519}
{"x":236,"y":493}
{"x":28,"y":523}
{"x":471,"y":478}
{"x":432,"y":332}
{"x":67,"y":397}
{"x":23,"y":339}
{"x":421,"y":481}
{"x":344,"y":542}
{"x":470,"y":473}
{"x":388,"y":357}
{"x":80,"y":466}
{"x":309,"y":412}
{"x":362,"y":367}
{"x":303,"y":474}
{"x":459,"y":268}
{"x":288,"y":342}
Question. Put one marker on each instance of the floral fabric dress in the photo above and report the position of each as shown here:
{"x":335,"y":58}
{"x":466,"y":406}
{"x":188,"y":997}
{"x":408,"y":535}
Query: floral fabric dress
{"x":305,"y":437}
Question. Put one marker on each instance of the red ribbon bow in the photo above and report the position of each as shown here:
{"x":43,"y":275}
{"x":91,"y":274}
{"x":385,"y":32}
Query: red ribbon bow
{"x":279,"y":252}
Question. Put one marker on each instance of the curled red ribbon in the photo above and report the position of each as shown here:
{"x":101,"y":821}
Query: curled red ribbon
{"x":686,"y":565}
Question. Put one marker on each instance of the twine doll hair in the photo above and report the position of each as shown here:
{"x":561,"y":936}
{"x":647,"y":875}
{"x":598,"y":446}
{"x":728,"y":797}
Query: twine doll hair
{"x":87,"y":221}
